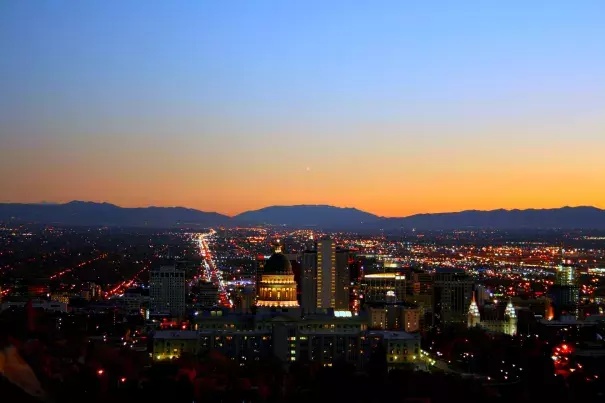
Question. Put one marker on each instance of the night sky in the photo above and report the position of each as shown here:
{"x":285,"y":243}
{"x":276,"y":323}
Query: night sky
{"x":394,"y":107}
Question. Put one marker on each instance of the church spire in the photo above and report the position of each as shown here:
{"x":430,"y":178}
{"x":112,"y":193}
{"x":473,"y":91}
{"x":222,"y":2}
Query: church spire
{"x":510,"y":310}
{"x":474,"y":317}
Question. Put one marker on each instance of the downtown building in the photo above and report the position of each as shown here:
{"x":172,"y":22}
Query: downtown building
{"x":452,"y":295}
{"x":382,"y":288}
{"x":422,"y":296}
{"x":261,"y":261}
{"x":325,"y":278}
{"x":386,"y":303}
{"x":167,"y":290}
{"x":565,"y":293}
{"x":278,"y":329}
{"x":493,"y":320}
{"x":281,"y":333}
{"x":207,"y":294}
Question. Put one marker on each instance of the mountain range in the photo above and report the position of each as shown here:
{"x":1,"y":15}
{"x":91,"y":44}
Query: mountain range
{"x":104,"y":214}
{"x":78,"y":213}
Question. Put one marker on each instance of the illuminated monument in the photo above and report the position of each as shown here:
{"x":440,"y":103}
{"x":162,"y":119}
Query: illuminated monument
{"x":277,"y":287}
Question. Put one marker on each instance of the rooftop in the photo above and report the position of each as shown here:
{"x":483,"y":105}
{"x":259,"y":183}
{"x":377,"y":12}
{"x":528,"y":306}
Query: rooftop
{"x":278,"y":263}
{"x":176,"y":334}
{"x":396,"y":276}
{"x":391,"y":335}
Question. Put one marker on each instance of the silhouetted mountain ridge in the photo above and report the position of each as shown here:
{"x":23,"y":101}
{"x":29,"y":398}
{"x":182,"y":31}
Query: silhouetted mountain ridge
{"x":309,"y":215}
{"x":106,"y":214}
{"x":582,"y":217}
{"x":301,"y":216}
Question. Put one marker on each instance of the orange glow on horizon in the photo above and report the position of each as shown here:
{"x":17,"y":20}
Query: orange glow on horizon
{"x":386,"y":179}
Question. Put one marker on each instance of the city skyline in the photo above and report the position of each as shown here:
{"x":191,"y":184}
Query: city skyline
{"x":394,"y":108}
{"x":302,"y":200}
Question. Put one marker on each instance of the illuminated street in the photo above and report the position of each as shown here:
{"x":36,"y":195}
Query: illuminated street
{"x":210,"y":272}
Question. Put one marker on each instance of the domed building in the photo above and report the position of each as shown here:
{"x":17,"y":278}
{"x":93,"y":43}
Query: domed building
{"x":277,"y":287}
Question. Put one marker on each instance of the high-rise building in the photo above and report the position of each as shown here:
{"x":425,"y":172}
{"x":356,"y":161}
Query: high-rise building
{"x":422,"y":283}
{"x":565,"y":293}
{"x":246,"y":300}
{"x":384,"y":287}
{"x":452,"y":294}
{"x":167,"y":290}
{"x":259,"y":265}
{"x":208,"y":294}
{"x":394,"y":317}
{"x":343,"y":281}
{"x":422,"y":295}
{"x":326,"y":274}
{"x":567,"y":274}
{"x":309,"y":282}
{"x":481,"y":294}
{"x":325,"y":278}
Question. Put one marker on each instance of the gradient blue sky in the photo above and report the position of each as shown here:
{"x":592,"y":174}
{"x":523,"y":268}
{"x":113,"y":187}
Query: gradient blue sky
{"x":395,"y":107}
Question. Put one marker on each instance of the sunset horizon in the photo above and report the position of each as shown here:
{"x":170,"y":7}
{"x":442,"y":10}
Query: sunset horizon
{"x":302,"y":201}
{"x":394,"y":108}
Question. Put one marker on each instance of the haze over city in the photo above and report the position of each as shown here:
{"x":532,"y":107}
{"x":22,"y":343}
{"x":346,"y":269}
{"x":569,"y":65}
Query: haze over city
{"x":393,"y":107}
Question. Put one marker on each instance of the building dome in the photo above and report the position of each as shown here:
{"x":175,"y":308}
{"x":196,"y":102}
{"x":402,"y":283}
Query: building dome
{"x":278,"y":264}
{"x":277,"y":287}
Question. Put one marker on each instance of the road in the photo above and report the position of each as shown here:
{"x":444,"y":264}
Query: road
{"x":65,"y":271}
{"x":210,"y":272}
{"x":124,"y":285}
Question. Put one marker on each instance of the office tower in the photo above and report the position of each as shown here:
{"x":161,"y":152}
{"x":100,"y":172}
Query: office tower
{"x":412,"y":319}
{"x":208,"y":294}
{"x":565,"y":293}
{"x":246,"y":300}
{"x":390,"y":265}
{"x":384,"y":288}
{"x":167,"y":290}
{"x":355,"y":271}
{"x":566,"y":275}
{"x":481,"y":293}
{"x":309,"y":282}
{"x":452,"y":294}
{"x":423,"y":283}
{"x":394,"y":317}
{"x":422,"y":296}
{"x":133,"y":299}
{"x":343,"y":281}
{"x":259,"y":265}
{"x":326,"y":274}
{"x":325,"y":278}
